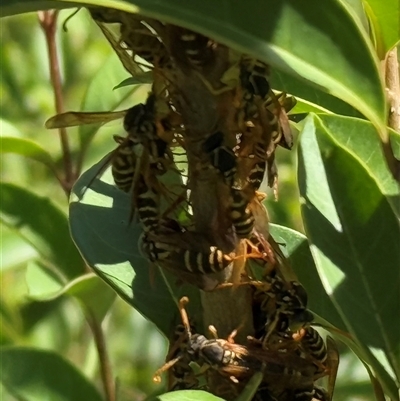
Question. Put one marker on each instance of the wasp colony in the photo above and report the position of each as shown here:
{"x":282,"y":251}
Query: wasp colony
{"x":215,"y":106}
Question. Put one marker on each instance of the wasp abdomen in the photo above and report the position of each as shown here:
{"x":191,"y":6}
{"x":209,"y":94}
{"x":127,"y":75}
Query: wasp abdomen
{"x":206,"y":263}
{"x":241,"y":215}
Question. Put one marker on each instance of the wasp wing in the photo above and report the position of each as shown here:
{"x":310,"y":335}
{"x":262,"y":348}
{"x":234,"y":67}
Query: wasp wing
{"x":76,"y":118}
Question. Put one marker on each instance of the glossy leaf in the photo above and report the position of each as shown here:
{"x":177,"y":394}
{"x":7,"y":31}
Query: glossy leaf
{"x":101,"y":229}
{"x":40,"y":223}
{"x":36,"y":375}
{"x":14,"y":250}
{"x":286,"y":34}
{"x":354,"y":234}
{"x":100,"y":95}
{"x":384,"y":17}
{"x":297,"y":249}
{"x":27,"y":148}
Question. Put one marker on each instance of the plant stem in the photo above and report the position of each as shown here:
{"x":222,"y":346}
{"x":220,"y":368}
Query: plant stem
{"x":393,"y":89}
{"x":48,"y":23}
{"x":104,"y":361}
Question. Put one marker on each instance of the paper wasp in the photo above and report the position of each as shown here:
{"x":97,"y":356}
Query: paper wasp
{"x":232,"y":360}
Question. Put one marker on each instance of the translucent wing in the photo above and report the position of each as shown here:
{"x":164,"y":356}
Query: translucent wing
{"x":75,"y":118}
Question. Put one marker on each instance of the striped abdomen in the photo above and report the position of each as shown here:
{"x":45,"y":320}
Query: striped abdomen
{"x":123,"y":165}
{"x":148,"y":205}
{"x":204,"y":262}
{"x":241,"y":215}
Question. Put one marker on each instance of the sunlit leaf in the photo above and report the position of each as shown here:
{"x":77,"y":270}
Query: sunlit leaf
{"x":40,"y":223}
{"x":27,"y":148}
{"x":385,"y":21}
{"x":379,"y":375}
{"x":286,"y":34}
{"x":36,"y":375}
{"x":353,"y":231}
{"x":109,"y":243}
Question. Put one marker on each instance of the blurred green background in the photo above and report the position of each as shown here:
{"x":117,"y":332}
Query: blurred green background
{"x":27,"y":100}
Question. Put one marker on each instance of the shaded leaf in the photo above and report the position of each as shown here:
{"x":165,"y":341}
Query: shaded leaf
{"x":251,"y":387}
{"x":285,"y":34}
{"x":373,"y":367}
{"x":40,"y":223}
{"x":100,"y":95}
{"x":27,"y":148}
{"x":95,"y":296}
{"x":297,"y":249}
{"x":101,"y":229}
{"x":14,"y":7}
{"x":308,"y":93}
{"x":354,"y":236}
{"x":32,"y":374}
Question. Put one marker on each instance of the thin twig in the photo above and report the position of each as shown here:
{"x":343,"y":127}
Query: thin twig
{"x":48,"y":23}
{"x":104,"y":361}
{"x":393,"y":89}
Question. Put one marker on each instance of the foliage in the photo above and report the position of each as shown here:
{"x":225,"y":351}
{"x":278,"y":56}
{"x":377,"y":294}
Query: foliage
{"x":326,"y":54}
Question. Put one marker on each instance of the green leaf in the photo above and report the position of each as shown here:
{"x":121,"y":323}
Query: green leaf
{"x":354,"y":235}
{"x":42,"y":283}
{"x":308,"y":39}
{"x":310,"y":98}
{"x":14,"y":250}
{"x":385,"y":21}
{"x":40,"y":223}
{"x":36,"y":375}
{"x":366,"y":357}
{"x":299,"y":254}
{"x":101,"y":229}
{"x":27,"y":148}
{"x":186,"y":395}
{"x":359,"y":137}
{"x":251,"y":387}
{"x":144,"y":78}
{"x":95,"y":296}
{"x":14,"y":7}
{"x":100,"y":95}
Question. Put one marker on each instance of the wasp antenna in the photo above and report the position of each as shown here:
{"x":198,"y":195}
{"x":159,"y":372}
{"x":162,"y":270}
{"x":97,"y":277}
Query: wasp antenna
{"x":164,"y":368}
{"x":185,"y":320}
{"x":213,"y":331}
